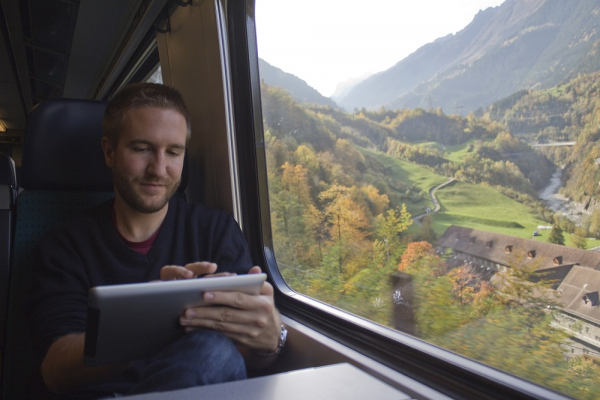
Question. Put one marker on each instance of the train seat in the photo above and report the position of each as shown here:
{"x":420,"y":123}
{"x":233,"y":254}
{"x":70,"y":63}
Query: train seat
{"x":62,"y":171}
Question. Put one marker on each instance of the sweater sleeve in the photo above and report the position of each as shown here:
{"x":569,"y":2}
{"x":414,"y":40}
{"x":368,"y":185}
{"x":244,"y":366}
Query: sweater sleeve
{"x":230,"y":247}
{"x":58,"y":302}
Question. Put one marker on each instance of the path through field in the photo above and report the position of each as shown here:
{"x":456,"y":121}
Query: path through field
{"x":434,"y":199}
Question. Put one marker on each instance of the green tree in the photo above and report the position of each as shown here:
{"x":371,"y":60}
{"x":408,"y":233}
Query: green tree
{"x":556,"y":235}
{"x":578,"y":241}
{"x":594,"y":228}
{"x":426,"y":232}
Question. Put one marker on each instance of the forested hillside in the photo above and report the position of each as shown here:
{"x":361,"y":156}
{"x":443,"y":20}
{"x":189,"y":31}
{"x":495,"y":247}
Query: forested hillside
{"x":298,"y":89}
{"x":337,"y":205}
{"x":567,"y":112}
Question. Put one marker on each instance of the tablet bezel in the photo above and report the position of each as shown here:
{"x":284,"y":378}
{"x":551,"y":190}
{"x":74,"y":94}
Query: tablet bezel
{"x":133,"y":321}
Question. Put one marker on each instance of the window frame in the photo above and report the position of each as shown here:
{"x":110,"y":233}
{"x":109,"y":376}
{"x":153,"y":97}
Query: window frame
{"x":439,"y":369}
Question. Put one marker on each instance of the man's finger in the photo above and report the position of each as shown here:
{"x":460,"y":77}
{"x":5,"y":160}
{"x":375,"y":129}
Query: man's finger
{"x":201,"y":268}
{"x":238,"y":300}
{"x":199,"y":315}
{"x":241,"y":301}
{"x":266,"y":289}
{"x":220,"y":274}
{"x":174,"y":272}
{"x":255,"y":270}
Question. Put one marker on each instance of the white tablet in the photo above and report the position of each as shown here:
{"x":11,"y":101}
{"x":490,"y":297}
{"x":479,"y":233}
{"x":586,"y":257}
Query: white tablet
{"x":135,"y":321}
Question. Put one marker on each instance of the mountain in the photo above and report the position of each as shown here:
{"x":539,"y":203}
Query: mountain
{"x":343,"y":88}
{"x":299,"y":89}
{"x":518,"y":45}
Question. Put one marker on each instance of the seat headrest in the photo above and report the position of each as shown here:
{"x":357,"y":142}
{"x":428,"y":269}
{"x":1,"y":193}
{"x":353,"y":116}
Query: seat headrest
{"x":62,"y":148}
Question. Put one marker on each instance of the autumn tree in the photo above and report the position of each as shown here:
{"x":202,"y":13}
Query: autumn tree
{"x":420,"y":256}
{"x":434,"y":309}
{"x":376,"y":202}
{"x":396,"y":221}
{"x":346,"y":221}
{"x":306,"y":156}
{"x":464,"y":283}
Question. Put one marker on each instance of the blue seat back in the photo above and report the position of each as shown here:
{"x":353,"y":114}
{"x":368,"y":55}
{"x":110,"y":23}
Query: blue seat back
{"x":62,"y":172}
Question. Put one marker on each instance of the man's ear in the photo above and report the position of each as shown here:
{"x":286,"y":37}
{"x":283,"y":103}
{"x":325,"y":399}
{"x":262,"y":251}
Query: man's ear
{"x":109,"y":151}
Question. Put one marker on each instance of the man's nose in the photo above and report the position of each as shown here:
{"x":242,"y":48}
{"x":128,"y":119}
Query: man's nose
{"x":158,"y":165}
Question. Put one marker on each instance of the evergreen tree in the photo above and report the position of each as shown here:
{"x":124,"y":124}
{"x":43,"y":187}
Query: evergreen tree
{"x":426,"y":232}
{"x":556,"y":236}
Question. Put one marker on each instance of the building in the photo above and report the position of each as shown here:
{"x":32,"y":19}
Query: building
{"x":575,"y":272}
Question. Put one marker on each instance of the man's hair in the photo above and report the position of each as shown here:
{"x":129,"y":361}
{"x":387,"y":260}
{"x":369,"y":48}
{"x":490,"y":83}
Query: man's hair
{"x":140,"y":95}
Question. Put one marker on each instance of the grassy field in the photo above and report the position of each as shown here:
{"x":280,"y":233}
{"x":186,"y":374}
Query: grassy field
{"x":460,"y":151}
{"x":484,"y":208}
{"x":412,"y":174}
{"x":463,"y":204}
{"x":429,"y":145}
{"x":466,"y":204}
{"x":408,"y":172}
{"x":452,"y":153}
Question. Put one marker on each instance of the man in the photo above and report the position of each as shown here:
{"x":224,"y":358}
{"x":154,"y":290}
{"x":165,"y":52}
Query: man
{"x":146,"y":234}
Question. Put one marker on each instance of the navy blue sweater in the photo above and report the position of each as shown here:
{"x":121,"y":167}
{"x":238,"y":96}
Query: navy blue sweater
{"x":88,"y":252}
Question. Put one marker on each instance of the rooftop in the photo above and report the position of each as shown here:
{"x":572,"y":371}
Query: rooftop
{"x":509,"y":250}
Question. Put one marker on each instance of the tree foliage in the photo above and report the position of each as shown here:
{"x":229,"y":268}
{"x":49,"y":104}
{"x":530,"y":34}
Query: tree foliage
{"x":556,"y":235}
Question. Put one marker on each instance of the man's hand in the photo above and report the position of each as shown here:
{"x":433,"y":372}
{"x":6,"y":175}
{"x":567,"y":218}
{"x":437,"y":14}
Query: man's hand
{"x":189,"y":271}
{"x":250,"y":321}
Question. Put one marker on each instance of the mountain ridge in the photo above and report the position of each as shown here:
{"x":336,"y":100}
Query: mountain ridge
{"x":298,"y":88}
{"x":517,"y":45}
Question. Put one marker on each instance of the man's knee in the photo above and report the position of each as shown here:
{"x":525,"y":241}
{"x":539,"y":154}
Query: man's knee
{"x":198,"y":358}
{"x":214,"y":354}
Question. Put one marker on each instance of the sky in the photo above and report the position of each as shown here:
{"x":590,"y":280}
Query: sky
{"x":325,"y":42}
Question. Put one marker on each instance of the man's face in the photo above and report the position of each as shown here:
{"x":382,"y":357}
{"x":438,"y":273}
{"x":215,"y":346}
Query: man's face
{"x":148,"y":158}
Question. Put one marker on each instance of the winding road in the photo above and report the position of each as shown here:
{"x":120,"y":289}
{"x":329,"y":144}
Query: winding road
{"x":434,"y":199}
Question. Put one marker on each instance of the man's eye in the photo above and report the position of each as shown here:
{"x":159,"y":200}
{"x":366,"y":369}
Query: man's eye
{"x":174,"y":153}
{"x":140,"y":149}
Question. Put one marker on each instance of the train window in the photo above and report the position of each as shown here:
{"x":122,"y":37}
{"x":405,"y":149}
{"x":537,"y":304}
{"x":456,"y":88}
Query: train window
{"x":156,"y":76}
{"x":432,"y":167}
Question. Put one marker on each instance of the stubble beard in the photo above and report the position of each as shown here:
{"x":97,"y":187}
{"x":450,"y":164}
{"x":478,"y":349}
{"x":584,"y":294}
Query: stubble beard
{"x":126,"y":187}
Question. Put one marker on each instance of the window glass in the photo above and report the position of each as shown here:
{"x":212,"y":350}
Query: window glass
{"x":156,"y":76}
{"x":433,"y":167}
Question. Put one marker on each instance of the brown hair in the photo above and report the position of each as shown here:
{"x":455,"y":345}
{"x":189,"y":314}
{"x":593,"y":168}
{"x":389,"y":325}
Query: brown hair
{"x":139,"y":95}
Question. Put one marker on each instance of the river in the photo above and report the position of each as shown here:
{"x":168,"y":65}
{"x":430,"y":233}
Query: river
{"x":551,"y":197}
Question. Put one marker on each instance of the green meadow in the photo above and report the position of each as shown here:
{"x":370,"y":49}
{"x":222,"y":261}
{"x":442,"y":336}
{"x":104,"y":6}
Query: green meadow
{"x":458,"y":152}
{"x":466,"y":204}
{"x":411,"y":174}
{"x":451,"y":153}
{"x":484,"y":208}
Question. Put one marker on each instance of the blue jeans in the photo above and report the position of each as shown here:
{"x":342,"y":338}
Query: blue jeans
{"x":198,"y":358}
